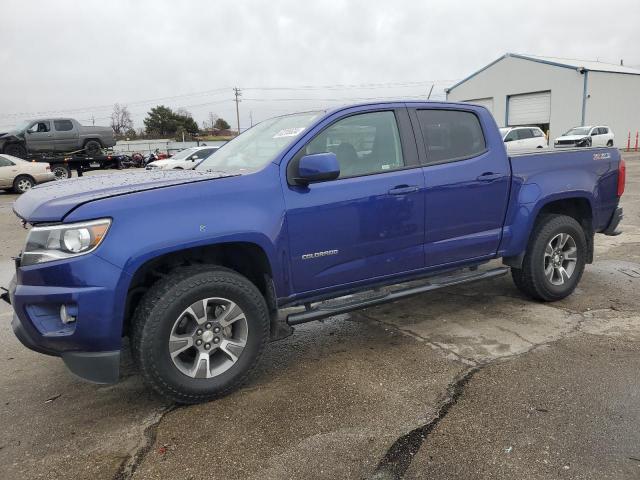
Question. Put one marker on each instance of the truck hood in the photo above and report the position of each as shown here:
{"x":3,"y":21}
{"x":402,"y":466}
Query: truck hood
{"x":52,"y":201}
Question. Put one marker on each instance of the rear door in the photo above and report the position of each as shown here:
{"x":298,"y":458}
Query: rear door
{"x":368,"y":223}
{"x":527,"y":139}
{"x":467,"y":179}
{"x":65,"y":135}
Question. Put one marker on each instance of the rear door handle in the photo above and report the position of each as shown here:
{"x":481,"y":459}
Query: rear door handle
{"x":489,"y":176}
{"x":403,"y":189}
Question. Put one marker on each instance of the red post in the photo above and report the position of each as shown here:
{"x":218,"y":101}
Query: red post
{"x":629,"y":141}
{"x":636,"y":149}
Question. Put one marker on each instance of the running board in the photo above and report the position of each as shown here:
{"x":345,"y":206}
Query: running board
{"x":369,"y":298}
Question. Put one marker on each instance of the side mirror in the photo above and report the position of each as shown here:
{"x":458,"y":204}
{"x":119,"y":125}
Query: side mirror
{"x":318,"y":167}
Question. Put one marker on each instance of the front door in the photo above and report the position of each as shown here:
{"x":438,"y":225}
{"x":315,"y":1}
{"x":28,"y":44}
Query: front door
{"x":466,"y":186}
{"x":39,"y":137}
{"x":369,"y":222}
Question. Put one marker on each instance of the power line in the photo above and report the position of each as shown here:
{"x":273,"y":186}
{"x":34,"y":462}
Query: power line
{"x":220,"y":91}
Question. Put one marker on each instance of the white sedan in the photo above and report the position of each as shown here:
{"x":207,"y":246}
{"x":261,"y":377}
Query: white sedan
{"x":517,"y":139}
{"x":186,"y":159}
{"x":20,"y":175}
{"x":589,"y":136}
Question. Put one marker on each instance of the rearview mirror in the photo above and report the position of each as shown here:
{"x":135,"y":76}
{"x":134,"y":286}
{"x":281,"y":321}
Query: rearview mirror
{"x":317,"y":167}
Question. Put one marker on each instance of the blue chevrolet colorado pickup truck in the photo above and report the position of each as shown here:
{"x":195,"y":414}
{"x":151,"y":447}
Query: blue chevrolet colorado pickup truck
{"x":323,"y":212}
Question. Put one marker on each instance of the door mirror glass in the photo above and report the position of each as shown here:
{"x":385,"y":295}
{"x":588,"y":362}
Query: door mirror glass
{"x":317,"y":167}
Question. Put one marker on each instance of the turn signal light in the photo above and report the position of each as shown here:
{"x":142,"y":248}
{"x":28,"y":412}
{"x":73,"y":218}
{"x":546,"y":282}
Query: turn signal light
{"x":622,"y":177}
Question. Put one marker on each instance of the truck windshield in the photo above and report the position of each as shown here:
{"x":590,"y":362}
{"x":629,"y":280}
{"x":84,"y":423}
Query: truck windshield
{"x":21,"y":127}
{"x":579,"y":131}
{"x":260,"y":144}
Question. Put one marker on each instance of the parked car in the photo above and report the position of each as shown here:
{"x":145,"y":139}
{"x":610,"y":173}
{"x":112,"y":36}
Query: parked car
{"x":186,"y":159}
{"x":327,"y":211}
{"x":518,"y":139}
{"x":55,"y":135}
{"x":590,"y":136}
{"x":20,"y":175}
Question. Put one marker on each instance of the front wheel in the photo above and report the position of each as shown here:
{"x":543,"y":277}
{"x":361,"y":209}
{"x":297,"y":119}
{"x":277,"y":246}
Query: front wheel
{"x":23,"y":183}
{"x":555,"y":259}
{"x":199,"y":332}
{"x":16,"y":150}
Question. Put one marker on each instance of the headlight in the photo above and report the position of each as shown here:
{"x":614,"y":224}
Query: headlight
{"x":56,"y":242}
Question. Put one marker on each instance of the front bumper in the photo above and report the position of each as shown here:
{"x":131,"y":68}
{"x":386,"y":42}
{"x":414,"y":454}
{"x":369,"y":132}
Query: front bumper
{"x":90,"y":346}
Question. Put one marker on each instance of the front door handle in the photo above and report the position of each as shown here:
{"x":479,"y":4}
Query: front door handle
{"x":403,"y":189}
{"x":489,"y":176}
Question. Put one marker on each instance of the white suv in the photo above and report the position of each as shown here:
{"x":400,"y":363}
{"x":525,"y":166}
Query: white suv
{"x":523,"y":138}
{"x":589,"y":136}
{"x":186,"y":159}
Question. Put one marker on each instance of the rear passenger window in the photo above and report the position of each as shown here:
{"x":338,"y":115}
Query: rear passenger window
{"x":524,"y":133}
{"x":450,"y":135}
{"x":63,"y":125}
{"x":537,"y":132}
{"x":364,"y":144}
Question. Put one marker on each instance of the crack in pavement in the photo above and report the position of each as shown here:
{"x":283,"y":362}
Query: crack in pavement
{"x":436,"y":346}
{"x":129,"y":466}
{"x":398,"y":458}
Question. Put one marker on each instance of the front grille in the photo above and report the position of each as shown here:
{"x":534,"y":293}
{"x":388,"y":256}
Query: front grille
{"x":566,"y":142}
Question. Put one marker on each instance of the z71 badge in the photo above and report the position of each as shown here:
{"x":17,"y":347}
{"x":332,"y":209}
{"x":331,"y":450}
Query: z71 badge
{"x":601,"y":156}
{"x":326,"y":253}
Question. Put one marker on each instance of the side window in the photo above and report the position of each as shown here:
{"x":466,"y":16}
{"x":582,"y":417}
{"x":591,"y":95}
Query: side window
{"x":450,"y":135}
{"x":604,"y":130}
{"x":5,"y":162}
{"x":40,"y":127}
{"x":63,"y":125}
{"x":513,"y":135}
{"x":595,"y":131}
{"x":364,"y":144}
{"x":537,"y":132}
{"x":524,"y":134}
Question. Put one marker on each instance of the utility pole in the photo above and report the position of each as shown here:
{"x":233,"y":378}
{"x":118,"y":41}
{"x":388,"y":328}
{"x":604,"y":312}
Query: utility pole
{"x":93,"y":120}
{"x":238,"y":94}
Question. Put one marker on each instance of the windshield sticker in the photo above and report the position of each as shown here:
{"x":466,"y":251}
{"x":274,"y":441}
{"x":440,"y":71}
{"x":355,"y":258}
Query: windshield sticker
{"x":288,"y":132}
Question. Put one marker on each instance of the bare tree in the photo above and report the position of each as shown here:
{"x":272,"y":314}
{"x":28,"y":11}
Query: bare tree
{"x":121,"y":119}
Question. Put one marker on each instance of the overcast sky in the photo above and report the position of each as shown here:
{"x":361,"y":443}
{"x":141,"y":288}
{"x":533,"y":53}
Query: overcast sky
{"x":78,"y":58}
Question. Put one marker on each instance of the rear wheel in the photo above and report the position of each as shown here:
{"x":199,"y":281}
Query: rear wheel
{"x":198,"y":333}
{"x":92,"y":147}
{"x":61,"y":172}
{"x":16,"y":150}
{"x":23,"y":183}
{"x":610,"y":143}
{"x":555,"y":259}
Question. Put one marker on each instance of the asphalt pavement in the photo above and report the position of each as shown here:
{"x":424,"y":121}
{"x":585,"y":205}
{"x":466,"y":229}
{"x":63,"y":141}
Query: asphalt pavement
{"x":473,"y":382}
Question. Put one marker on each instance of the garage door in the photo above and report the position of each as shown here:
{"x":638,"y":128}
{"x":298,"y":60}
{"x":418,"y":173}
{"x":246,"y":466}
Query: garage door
{"x":485,"y":102}
{"x":529,"y":109}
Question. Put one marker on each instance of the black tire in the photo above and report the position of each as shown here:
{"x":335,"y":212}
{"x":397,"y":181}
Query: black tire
{"x":16,"y":150}
{"x":531,"y":279}
{"x":23,"y":183}
{"x":155,"y":319}
{"x":610,"y":143}
{"x":178,"y":168}
{"x":61,"y":172}
{"x":92,"y":147}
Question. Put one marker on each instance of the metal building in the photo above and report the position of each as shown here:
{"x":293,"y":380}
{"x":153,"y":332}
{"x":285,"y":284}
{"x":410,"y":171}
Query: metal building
{"x":555,"y":94}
